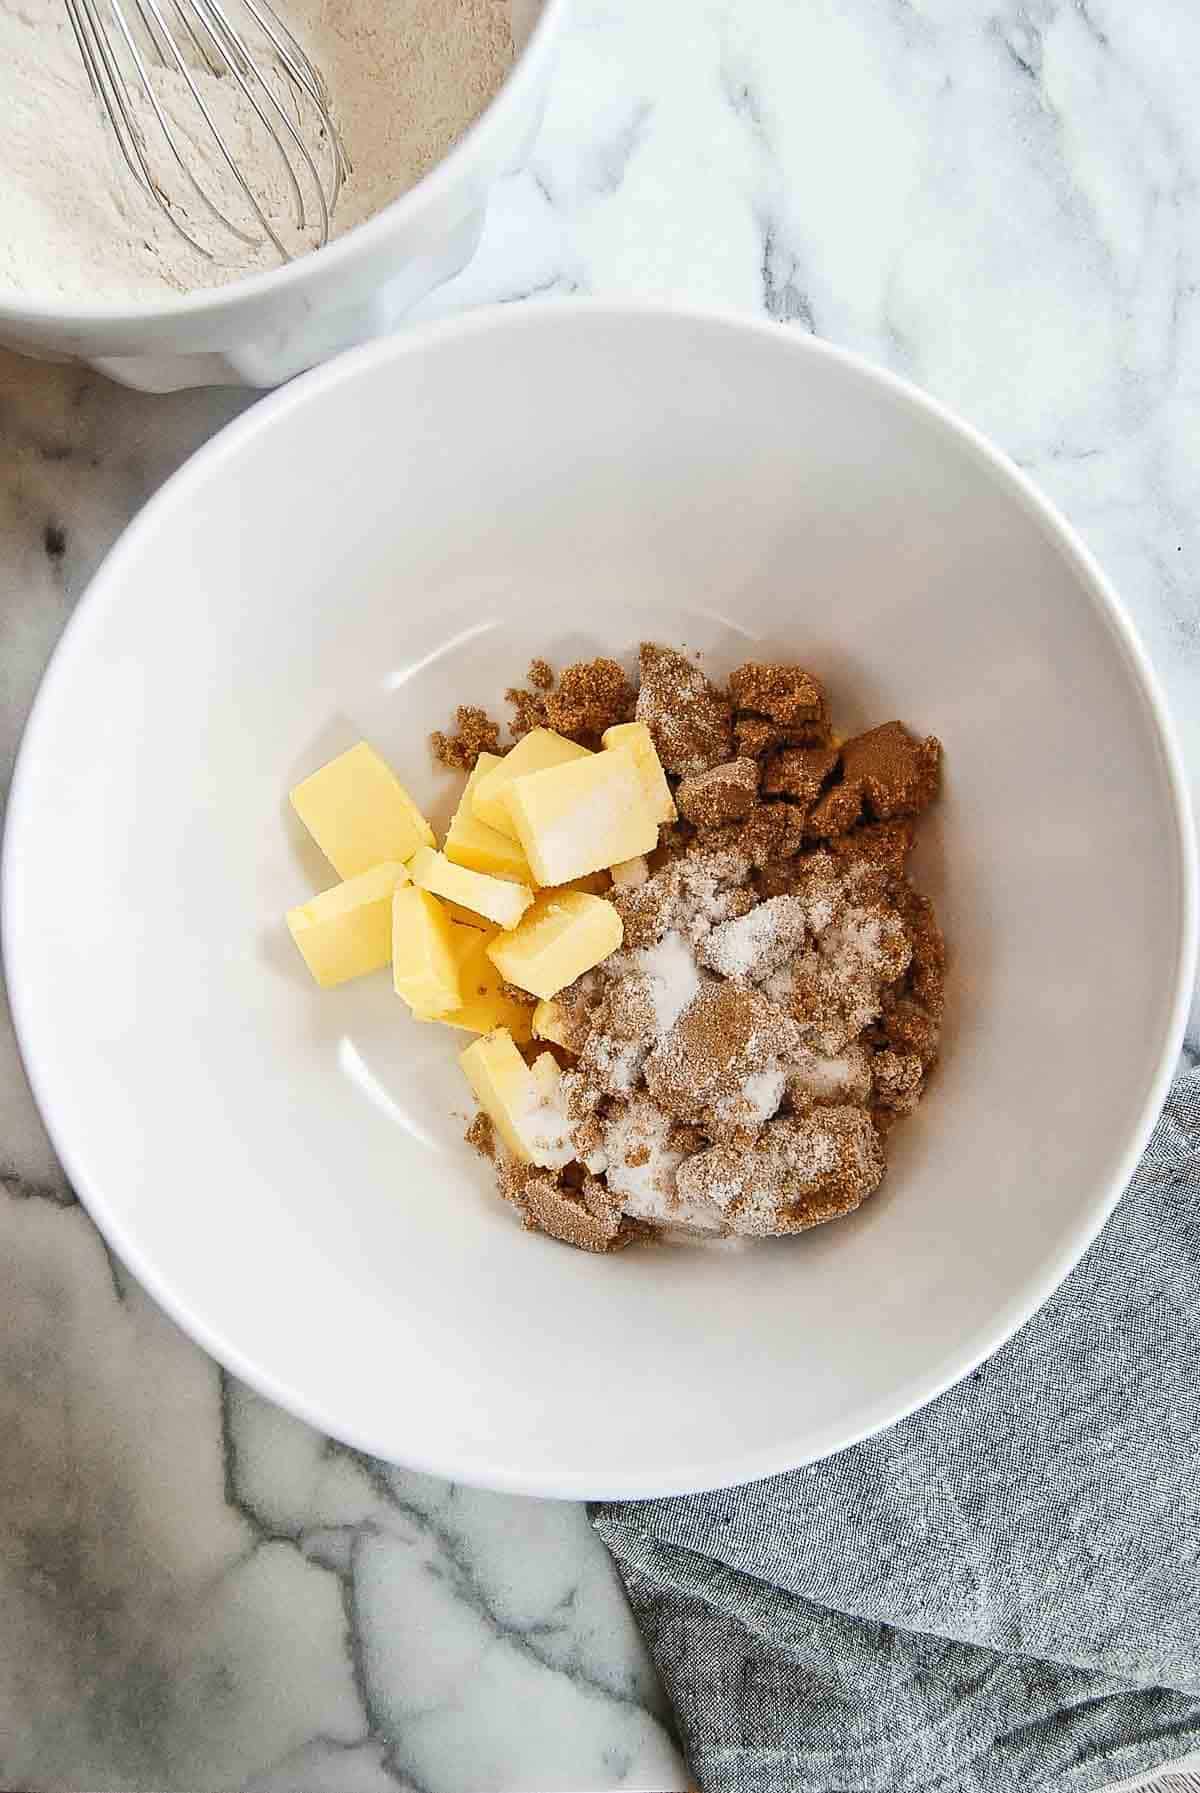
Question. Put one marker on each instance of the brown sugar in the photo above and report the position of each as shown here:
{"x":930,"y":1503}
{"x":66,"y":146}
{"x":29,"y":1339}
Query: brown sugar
{"x":884,"y":846}
{"x":837,"y":990}
{"x":481,"y":1136}
{"x":799,"y":773}
{"x":754,"y":945}
{"x":723,"y":793}
{"x":689,"y":894}
{"x":592,"y":695}
{"x":723,"y":1051}
{"x":754,"y":736}
{"x":887,"y":772}
{"x":528,"y":711}
{"x":770,"y":831}
{"x":476,"y":733}
{"x":788,"y":696}
{"x":818,"y":1081}
{"x":588,"y":1217}
{"x":907,"y":1027}
{"x":736,"y":1066}
{"x":575,"y":1011}
{"x":926,"y":977}
{"x":897,"y":1077}
{"x":690,"y":720}
{"x":802,"y":1170}
{"x":777,"y":877}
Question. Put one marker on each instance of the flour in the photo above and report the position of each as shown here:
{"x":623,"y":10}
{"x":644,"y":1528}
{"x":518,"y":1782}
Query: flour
{"x":406,"y":78}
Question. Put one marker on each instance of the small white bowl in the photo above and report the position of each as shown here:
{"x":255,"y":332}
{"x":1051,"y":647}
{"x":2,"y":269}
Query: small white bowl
{"x":264,"y":329}
{"x":403,"y":530}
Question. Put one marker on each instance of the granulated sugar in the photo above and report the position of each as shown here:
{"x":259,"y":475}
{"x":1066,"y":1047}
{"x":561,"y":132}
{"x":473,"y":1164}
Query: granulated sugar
{"x":644,"y":1150}
{"x":752,"y":945}
{"x":671,"y":973}
{"x":690,"y":896}
{"x":813,"y":1078}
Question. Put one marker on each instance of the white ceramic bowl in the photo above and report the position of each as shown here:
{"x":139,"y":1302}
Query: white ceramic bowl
{"x":262,"y":330}
{"x":402,"y":530}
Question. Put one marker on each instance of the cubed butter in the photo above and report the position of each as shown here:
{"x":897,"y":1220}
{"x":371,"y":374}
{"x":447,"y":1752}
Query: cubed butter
{"x":359,"y":813}
{"x":472,"y":843}
{"x":347,"y":931}
{"x":468,"y":917}
{"x":636,"y":738}
{"x":494,"y":898}
{"x":548,"y":1023}
{"x":630,"y":873}
{"x":564,"y":934}
{"x":540,"y":749}
{"x":485,"y":1004}
{"x":582,"y":816}
{"x":424,"y":966}
{"x":522,"y":1106}
{"x":595,"y":883}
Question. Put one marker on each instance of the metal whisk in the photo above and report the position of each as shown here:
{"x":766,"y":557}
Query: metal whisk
{"x":128,"y":45}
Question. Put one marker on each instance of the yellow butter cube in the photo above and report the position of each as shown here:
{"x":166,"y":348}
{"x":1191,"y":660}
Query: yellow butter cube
{"x":636,"y":738}
{"x":424,"y":966}
{"x":564,"y":934}
{"x":582,"y":816}
{"x":595,"y":883}
{"x":523,"y":1107}
{"x":467,"y":918}
{"x":472,"y":843}
{"x":347,"y":931}
{"x":359,"y":813}
{"x":535,"y":752}
{"x":630,"y":873}
{"x":485,"y":1005}
{"x":494,"y":898}
{"x":548,"y":1023}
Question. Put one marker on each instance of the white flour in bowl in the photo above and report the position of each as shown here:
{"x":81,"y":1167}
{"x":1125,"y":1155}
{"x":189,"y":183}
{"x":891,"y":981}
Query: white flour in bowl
{"x":406,"y":78}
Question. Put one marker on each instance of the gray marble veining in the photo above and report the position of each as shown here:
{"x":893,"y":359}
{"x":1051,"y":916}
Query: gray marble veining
{"x":997,"y":200}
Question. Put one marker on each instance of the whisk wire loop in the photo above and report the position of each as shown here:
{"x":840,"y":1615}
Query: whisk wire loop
{"x":126,"y":46}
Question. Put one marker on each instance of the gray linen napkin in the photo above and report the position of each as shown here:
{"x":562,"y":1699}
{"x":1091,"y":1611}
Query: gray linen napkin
{"x":1001,"y":1592}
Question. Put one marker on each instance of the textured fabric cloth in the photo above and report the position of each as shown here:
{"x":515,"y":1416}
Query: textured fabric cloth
{"x":1002,"y":1592}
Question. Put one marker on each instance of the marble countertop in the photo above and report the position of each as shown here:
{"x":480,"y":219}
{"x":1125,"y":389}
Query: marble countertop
{"x":998,"y":200}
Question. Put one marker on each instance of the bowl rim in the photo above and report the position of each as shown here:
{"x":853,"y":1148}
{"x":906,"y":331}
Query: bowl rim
{"x":234,"y":295}
{"x":103,"y":592}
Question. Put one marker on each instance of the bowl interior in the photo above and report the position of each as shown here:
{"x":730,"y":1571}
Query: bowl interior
{"x":401,"y":533}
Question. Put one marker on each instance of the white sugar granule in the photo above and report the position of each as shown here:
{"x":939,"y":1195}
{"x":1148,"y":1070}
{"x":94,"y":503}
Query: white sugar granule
{"x":789,"y":1156}
{"x":754,"y":1102}
{"x":616,"y":1064}
{"x":672,"y":975}
{"x":406,"y":78}
{"x":542,"y":1122}
{"x":648,"y":1188}
{"x":845,"y":1078}
{"x":754,"y":945}
{"x":762,"y":1093}
{"x":545,"y":1130}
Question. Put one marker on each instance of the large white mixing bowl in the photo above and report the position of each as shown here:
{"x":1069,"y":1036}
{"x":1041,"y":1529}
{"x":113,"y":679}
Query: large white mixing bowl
{"x":402,"y":530}
{"x":262,"y":330}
